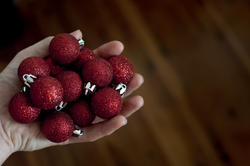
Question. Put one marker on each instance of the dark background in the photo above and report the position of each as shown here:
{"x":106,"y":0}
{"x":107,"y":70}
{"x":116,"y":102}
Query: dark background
{"x":194,"y":55}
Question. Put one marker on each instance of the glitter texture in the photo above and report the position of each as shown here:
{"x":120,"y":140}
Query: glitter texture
{"x":97,"y":71}
{"x":106,"y":103}
{"x":81,"y":114}
{"x":64,"y":48}
{"x":21,"y":110}
{"x":57,"y":127}
{"x":46,"y":93}
{"x":54,"y":68}
{"x":84,"y":56}
{"x":72,"y":85}
{"x":123,"y":70}
{"x":35,"y":66}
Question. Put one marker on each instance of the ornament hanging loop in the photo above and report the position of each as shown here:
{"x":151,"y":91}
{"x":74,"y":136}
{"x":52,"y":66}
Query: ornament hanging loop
{"x":121,"y":88}
{"x":28,"y":79}
{"x":61,"y":106}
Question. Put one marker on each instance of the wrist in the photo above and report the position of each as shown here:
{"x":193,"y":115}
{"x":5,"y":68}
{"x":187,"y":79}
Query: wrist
{"x":6,"y":145}
{"x":5,"y":151}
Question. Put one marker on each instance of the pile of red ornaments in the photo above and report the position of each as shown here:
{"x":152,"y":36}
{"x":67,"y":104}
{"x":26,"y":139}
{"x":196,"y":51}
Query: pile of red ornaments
{"x":67,"y":89}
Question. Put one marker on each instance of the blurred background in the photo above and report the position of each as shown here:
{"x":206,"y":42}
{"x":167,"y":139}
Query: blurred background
{"x":194,"y":55}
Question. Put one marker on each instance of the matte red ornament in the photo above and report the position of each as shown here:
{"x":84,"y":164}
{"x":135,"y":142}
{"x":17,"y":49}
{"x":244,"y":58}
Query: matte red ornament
{"x":97,"y":71}
{"x":84,"y":56}
{"x":64,"y":48}
{"x":57,"y":127}
{"x":21,"y":109}
{"x":72,"y":85}
{"x":54,"y":67}
{"x":123,"y":70}
{"x":46,"y":93}
{"x":81,"y":114}
{"x":106,"y":103}
{"x":35,"y":66}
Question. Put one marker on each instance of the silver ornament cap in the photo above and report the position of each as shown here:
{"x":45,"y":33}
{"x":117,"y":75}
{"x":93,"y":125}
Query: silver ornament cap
{"x":77,"y":132}
{"x":61,"y":106}
{"x":81,"y":42}
{"x":89,"y":88}
{"x":28,"y":79}
{"x":121,"y":88}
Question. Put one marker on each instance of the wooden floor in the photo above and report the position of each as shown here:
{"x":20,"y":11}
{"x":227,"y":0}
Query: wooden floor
{"x":195,"y":57}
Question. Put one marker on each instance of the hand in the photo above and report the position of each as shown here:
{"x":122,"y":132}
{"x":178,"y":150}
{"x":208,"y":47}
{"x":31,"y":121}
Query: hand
{"x":27,"y":137}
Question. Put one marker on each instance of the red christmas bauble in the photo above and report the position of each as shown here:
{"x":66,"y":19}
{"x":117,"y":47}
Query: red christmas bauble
{"x":81,"y":114}
{"x":64,"y":48}
{"x":54,"y":68}
{"x":57,"y":127}
{"x":21,"y":109}
{"x":84,"y":56}
{"x":106,"y":103}
{"x":98,"y":71}
{"x":46,"y":93}
{"x":123,"y":70}
{"x":72,"y":85}
{"x":35,"y":66}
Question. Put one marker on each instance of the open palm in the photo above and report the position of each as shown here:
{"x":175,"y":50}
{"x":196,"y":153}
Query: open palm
{"x":27,"y":137}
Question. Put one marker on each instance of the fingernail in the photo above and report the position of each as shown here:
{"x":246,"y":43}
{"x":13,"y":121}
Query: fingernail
{"x":125,"y":121}
{"x":78,"y":30}
{"x":142,"y":79}
{"x":122,"y":45}
{"x":141,"y":101}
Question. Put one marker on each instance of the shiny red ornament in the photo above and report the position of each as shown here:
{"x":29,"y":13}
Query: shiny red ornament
{"x":106,"y":103}
{"x":35,"y":66}
{"x":72,"y":85}
{"x":84,"y":56}
{"x":54,"y":67}
{"x":123,"y":70}
{"x":21,"y":109}
{"x":57,"y":127}
{"x":97,"y":71}
{"x":64,"y":48}
{"x":81,"y":114}
{"x":46,"y":93}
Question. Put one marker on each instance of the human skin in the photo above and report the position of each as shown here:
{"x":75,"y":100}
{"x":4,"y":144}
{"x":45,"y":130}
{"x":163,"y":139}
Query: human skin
{"x":28,"y":137}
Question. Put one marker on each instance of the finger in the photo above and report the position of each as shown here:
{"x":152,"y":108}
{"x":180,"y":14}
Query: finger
{"x":40,"y":49}
{"x":132,"y":105}
{"x":99,"y":130}
{"x":134,"y":84}
{"x":108,"y":49}
{"x":97,"y":120}
{"x":77,"y":34}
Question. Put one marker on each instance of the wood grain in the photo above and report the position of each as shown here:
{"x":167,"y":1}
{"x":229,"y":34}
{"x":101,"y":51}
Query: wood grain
{"x":194,"y":55}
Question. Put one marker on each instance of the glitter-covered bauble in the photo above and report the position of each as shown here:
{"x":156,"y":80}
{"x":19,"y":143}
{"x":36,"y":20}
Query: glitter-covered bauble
{"x":106,"y":102}
{"x":84,"y":56}
{"x":97,"y":71}
{"x":46,"y":93}
{"x":123,"y":70}
{"x":64,"y":48}
{"x":35,"y":66}
{"x":81,"y":114}
{"x":72,"y":85}
{"x":54,"y":67}
{"x":21,"y":109}
{"x":57,"y":127}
